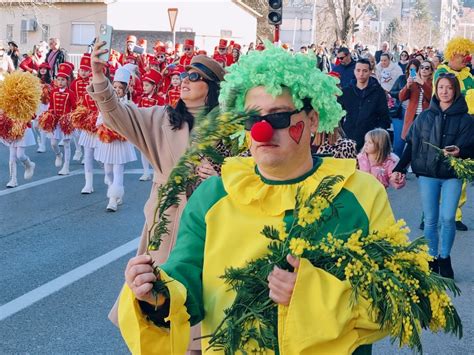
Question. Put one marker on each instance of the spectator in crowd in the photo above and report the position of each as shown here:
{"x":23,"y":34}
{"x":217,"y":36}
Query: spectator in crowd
{"x":385,"y":49}
{"x":55,"y":56}
{"x":396,"y":53}
{"x":323,"y":61}
{"x":447,"y":125}
{"x":404,"y":59}
{"x":365,"y":104}
{"x":31,"y":63}
{"x":335,"y":144}
{"x":345,"y":67}
{"x":376,"y":157}
{"x":418,"y":91}
{"x":387,"y":72}
{"x":6,"y":63}
{"x":420,"y":56}
{"x":437,"y":60}
{"x":397,"y":119}
{"x":304,"y":50}
{"x":14,"y":53}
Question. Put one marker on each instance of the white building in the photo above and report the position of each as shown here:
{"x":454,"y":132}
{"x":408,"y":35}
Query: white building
{"x":210,"y":20}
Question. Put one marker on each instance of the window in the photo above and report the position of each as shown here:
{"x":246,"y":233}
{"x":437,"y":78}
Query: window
{"x":82,"y":33}
{"x":226,"y":33}
{"x":10,"y":32}
{"x":23,"y":36}
{"x":45,"y":33}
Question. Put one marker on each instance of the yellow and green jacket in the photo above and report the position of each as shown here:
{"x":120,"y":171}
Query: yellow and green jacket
{"x":466,"y":82}
{"x":220,"y":228}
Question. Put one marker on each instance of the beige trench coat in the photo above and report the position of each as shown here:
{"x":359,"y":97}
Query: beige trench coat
{"x":150,"y":131}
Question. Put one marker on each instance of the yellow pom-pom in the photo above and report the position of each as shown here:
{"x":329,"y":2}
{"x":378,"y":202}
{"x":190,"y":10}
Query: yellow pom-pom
{"x":458,"y":45}
{"x":20,"y":95}
{"x":470,"y":101}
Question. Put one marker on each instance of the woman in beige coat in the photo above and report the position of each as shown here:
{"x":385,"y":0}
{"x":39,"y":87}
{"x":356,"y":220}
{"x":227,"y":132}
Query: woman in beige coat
{"x":162,"y":134}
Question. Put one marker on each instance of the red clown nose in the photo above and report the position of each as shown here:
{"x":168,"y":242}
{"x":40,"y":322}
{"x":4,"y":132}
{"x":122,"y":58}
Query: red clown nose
{"x":262,"y":131}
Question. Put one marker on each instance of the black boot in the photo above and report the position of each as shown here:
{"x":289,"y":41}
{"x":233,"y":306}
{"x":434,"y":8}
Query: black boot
{"x":434,"y":267}
{"x":445,"y":268}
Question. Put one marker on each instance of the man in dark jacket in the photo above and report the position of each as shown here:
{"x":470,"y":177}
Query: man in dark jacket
{"x":55,"y":56}
{"x":385,"y":49}
{"x":365,"y":102}
{"x":346,"y":66}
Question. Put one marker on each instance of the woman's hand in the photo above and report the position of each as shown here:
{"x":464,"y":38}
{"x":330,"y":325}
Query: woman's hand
{"x":282,"y":283}
{"x":98,"y":64}
{"x":410,"y":81}
{"x":206,"y":170}
{"x":140,"y":277}
{"x":451,"y":150}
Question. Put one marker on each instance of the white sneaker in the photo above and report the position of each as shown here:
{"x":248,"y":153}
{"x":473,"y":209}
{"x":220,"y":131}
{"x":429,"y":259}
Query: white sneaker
{"x":87,"y":190}
{"x":113,"y":205}
{"x":59,"y":160}
{"x":29,"y":169}
{"x":77,"y":155}
{"x":64,"y":170}
{"x":145,"y":177}
{"x":107,"y":180}
{"x":61,"y":143}
{"x":41,"y":149}
{"x":12,"y":183}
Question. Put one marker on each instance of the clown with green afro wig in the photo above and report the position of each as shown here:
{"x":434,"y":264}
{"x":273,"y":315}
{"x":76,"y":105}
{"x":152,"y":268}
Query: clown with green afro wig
{"x":276,"y":69}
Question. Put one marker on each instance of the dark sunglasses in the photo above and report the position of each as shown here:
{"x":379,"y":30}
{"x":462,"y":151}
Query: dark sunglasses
{"x":188,"y":49}
{"x":191,"y":76}
{"x":447,"y":75}
{"x":341,"y":57}
{"x":426,"y":68}
{"x":277,"y":120}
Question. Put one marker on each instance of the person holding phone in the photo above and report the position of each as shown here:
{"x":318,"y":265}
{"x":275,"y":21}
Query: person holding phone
{"x":162,"y":133}
{"x":447,"y":125}
{"x":417,"y":92}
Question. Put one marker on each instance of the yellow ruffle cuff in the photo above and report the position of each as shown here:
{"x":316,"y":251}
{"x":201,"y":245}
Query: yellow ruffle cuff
{"x":321,"y":318}
{"x":145,"y":338}
{"x":248,"y":188}
{"x":470,"y":101}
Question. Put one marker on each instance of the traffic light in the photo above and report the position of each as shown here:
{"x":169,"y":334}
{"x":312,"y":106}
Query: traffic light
{"x":275,"y":12}
{"x":355,"y":28}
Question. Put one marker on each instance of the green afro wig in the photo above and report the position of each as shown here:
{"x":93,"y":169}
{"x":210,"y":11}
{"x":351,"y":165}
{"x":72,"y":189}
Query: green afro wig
{"x":275,"y":69}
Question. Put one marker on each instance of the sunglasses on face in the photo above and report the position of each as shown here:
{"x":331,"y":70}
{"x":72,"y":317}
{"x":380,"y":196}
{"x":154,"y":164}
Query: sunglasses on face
{"x":187,"y":49}
{"x":222,"y":49}
{"x":425,"y":68}
{"x":191,"y":76}
{"x":277,"y":120}
{"x":338,"y":57}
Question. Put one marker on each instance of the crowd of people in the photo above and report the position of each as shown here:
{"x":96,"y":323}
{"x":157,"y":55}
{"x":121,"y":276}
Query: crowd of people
{"x":394,"y":102}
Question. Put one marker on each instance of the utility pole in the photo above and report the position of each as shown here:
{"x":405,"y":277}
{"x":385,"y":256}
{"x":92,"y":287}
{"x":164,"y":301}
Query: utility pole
{"x":379,"y":40}
{"x":313,"y":23}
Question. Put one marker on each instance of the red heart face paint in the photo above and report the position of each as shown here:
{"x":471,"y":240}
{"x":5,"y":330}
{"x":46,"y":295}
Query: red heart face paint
{"x":296,"y":131}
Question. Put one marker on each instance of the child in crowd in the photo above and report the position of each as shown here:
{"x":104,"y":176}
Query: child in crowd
{"x":174,"y":91}
{"x":377,"y":158}
{"x":113,"y":150}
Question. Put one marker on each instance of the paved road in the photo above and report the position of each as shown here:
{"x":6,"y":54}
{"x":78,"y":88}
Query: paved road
{"x":50,"y":234}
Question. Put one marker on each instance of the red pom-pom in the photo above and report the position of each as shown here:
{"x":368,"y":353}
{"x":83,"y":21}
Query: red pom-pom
{"x":262,"y":131}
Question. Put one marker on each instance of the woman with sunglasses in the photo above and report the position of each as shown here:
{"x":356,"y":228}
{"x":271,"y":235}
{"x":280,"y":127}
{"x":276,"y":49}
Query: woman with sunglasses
{"x":447,"y":125}
{"x":404,"y":59}
{"x":417,"y":92}
{"x":162,"y":133}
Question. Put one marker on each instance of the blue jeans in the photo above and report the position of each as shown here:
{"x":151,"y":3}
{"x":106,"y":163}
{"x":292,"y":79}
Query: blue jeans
{"x":433,"y":190}
{"x":398,"y":142}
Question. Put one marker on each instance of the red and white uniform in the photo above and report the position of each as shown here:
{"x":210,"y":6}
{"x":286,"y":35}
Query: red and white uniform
{"x":173,"y":96}
{"x":78,"y":87}
{"x":61,"y":102}
{"x":151,"y":100}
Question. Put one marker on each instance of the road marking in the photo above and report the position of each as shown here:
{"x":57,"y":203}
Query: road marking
{"x":59,"y":177}
{"x":22,"y":302}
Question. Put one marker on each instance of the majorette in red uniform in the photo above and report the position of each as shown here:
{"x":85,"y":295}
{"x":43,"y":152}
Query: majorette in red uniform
{"x":84,"y":118}
{"x":161,"y":58}
{"x":235,"y":54}
{"x":113,"y":63}
{"x":221,"y":54}
{"x":44,"y":73}
{"x":57,"y":121}
{"x":130,"y":43}
{"x":79,"y":85}
{"x":143,"y":59}
{"x":151,"y":85}
{"x":188,"y":52}
{"x":174,"y":92}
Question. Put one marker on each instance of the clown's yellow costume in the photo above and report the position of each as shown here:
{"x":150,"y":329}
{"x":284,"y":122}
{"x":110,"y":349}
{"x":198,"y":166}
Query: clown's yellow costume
{"x":220,"y":228}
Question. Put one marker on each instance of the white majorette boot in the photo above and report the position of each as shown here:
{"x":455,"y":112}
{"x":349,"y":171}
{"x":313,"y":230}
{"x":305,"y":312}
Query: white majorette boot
{"x":65,"y":169}
{"x":77,"y":155}
{"x":145,"y":177}
{"x":115,"y":195}
{"x":59,"y":160}
{"x":13,"y":182}
{"x":29,"y":169}
{"x":88,"y":188}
